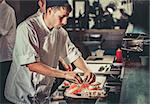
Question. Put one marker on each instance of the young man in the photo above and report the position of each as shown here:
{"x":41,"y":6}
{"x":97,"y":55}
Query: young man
{"x":41,"y":10}
{"x":62,"y":64}
{"x":40,"y":41}
{"x":7,"y":40}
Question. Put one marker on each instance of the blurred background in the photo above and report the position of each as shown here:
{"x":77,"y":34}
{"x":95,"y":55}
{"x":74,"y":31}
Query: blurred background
{"x":97,"y":24}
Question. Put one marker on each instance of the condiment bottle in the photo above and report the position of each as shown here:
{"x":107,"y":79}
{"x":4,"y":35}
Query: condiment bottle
{"x":119,"y":57}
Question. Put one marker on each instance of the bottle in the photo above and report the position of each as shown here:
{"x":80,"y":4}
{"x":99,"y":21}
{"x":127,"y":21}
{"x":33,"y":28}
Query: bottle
{"x":119,"y":57}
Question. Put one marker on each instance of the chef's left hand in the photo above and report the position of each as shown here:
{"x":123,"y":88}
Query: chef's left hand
{"x":89,"y":77}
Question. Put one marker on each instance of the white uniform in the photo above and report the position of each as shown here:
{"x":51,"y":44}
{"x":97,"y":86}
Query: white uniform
{"x":35,"y":42}
{"x":7,"y":31}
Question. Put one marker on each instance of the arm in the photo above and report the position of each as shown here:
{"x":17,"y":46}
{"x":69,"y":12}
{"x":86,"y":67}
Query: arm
{"x":88,"y":75}
{"x":41,"y":68}
{"x":46,"y":70}
{"x":8,"y":25}
{"x":12,"y":29}
{"x":72,"y":55}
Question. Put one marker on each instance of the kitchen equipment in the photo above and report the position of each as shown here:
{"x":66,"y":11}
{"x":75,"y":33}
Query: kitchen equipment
{"x":134,"y":45}
{"x":96,"y":68}
{"x":88,"y":95}
{"x":100,"y":52}
{"x":133,"y":42}
{"x":119,"y":57}
{"x":100,"y":60}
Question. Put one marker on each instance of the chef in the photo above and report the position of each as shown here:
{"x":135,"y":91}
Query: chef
{"x":40,"y":41}
{"x":7,"y":40}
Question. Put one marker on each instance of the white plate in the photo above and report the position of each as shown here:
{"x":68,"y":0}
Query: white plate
{"x":102,"y":94}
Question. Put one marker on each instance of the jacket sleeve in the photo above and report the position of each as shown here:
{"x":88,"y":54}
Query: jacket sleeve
{"x":26,"y":45}
{"x":69,"y":52}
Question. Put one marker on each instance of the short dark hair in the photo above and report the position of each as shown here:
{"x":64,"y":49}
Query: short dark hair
{"x":59,"y":3}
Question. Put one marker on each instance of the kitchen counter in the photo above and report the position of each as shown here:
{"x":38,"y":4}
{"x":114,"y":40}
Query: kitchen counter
{"x":101,"y":76}
{"x":134,"y":88}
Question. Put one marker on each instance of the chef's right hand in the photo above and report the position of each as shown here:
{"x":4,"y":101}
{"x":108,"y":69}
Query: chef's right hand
{"x":73,"y":77}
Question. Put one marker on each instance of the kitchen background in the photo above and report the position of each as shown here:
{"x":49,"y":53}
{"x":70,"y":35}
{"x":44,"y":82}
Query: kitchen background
{"x":102,"y":25}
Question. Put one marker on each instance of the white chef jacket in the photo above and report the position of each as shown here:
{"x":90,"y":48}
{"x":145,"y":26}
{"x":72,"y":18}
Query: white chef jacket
{"x":35,"y":42}
{"x":7,"y":31}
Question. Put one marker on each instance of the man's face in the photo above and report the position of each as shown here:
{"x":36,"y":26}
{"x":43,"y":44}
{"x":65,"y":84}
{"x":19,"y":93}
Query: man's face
{"x":58,"y":17}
